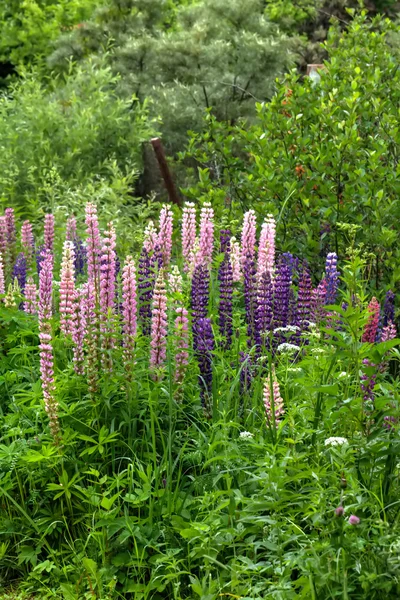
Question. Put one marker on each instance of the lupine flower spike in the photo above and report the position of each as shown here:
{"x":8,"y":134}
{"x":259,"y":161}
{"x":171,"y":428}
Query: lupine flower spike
{"x":266,"y":248}
{"x":273,"y":402}
{"x":49,"y":232}
{"x":67,"y":288}
{"x":2,"y":278}
{"x":181,"y":343}
{"x":175,"y":281}
{"x":27,"y":241}
{"x":158,"y":342}
{"x":206,"y":237}
{"x":107,"y":294}
{"x":371,"y":327}
{"x":204,"y":353}
{"x":188,"y":233}
{"x":93,"y":248}
{"x":129,"y":308}
{"x":78,"y":326}
{"x":70,"y":233}
{"x":30,"y":302}
{"x":248,"y":237}
{"x":236,"y":260}
{"x":165,"y":234}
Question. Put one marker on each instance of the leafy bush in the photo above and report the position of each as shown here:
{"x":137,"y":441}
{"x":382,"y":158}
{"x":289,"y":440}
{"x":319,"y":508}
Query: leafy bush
{"x":141,"y":493}
{"x":322,"y":157}
{"x":70,"y":141}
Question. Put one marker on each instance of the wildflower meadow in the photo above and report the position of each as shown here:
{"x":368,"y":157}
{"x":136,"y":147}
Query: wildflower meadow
{"x":203,"y":416}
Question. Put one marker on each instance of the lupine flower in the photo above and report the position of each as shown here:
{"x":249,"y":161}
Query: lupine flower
{"x":273,"y":405}
{"x":388,"y":308}
{"x":145,"y":291}
{"x":248,"y":237}
{"x":204,"y":353}
{"x":332,"y":278}
{"x":304,"y":299}
{"x":368,"y":381}
{"x":225,"y":278}
{"x":371,"y":327}
{"x":266,"y":247}
{"x":93,"y":247}
{"x":159,"y":324}
{"x":49,"y":231}
{"x":225,"y":240}
{"x":250,"y":296}
{"x":78,"y":326}
{"x":10,"y":299}
{"x":188,"y":233}
{"x":70,"y":233}
{"x":389,"y":422}
{"x":67,"y":288}
{"x":245,"y":373}
{"x":206,"y":237}
{"x":80,"y":256}
{"x":150,"y":240}
{"x":175,"y":281}
{"x":107,"y":293}
{"x":2,"y":278}
{"x":318,"y":296}
{"x":282,"y":285}
{"x":181,"y":343}
{"x":3,"y":238}
{"x":354,"y":520}
{"x":45,"y":347}
{"x":264,"y":310}
{"x":199,"y":297}
{"x":92,"y":337}
{"x":19,"y":271}
{"x":165,"y":234}
{"x":129,"y":307}
{"x":27,"y":240}
{"x":10,"y":226}
{"x":236,"y":260}
{"x":389,"y":332}
{"x":30,"y":302}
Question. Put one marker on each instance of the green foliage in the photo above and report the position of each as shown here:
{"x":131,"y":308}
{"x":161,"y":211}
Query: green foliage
{"x":203,"y":55}
{"x":68,"y":142}
{"x":28,"y":27}
{"x":323,"y":156}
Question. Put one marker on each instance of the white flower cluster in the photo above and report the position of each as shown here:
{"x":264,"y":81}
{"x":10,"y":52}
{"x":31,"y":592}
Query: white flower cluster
{"x":287,"y":329}
{"x":295,"y":370}
{"x":245,"y":435}
{"x":317,"y":350}
{"x":288,"y":348}
{"x":336,"y":441}
{"x":342,"y":375}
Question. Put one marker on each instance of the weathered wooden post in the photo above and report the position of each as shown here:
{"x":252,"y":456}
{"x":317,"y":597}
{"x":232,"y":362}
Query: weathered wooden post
{"x":165,"y":171}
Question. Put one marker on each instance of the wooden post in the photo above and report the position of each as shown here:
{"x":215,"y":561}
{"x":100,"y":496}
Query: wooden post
{"x":165,"y":172}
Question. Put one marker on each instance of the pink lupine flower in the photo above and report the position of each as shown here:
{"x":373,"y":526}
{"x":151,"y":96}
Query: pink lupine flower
{"x":235,"y":260}
{"x":158,"y":342}
{"x":107,"y":294}
{"x":248,"y":236}
{"x":78,"y":325}
{"x":266,"y":247}
{"x":277,"y":400}
{"x":2,"y":278}
{"x":3,"y":237}
{"x":389,"y":332}
{"x":371,"y":327}
{"x":150,"y":237}
{"x":165,"y":234}
{"x":45,"y":346}
{"x":93,"y":248}
{"x":188,"y":233}
{"x":354,"y":520}
{"x":10,"y":226}
{"x":30,"y":293}
{"x":92,"y":336}
{"x":129,"y":307}
{"x":70,"y":233}
{"x":27,"y":240}
{"x":49,"y":231}
{"x":175,"y":281}
{"x":318,"y":295}
{"x":181,"y":343}
{"x":67,"y":287}
{"x":206,"y":237}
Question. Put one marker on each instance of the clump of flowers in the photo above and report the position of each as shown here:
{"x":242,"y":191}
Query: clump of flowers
{"x":273,"y":400}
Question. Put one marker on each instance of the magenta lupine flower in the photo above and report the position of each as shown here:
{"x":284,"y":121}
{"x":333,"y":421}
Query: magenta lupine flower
{"x":273,"y":405}
{"x":27,"y":240}
{"x":2,"y":277}
{"x":70,"y":233}
{"x":30,"y":294}
{"x":206,"y":237}
{"x":67,"y":287}
{"x":354,"y":520}
{"x":10,"y":226}
{"x":78,"y":325}
{"x":129,"y":307}
{"x":45,"y":346}
{"x":49,"y":231}
{"x":188,"y":233}
{"x":389,"y":332}
{"x":373,"y":321}
{"x":158,"y":342}
{"x":236,"y":260}
{"x":266,"y":247}
{"x":93,"y":248}
{"x":165,"y":234}
{"x":181,"y":343}
{"x":248,"y":237}
{"x":150,"y":240}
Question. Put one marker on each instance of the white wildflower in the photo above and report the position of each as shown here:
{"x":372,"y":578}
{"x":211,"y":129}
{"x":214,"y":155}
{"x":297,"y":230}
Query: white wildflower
{"x":287,"y":329}
{"x":295,"y":370}
{"x":342,"y":375}
{"x":336,"y":441}
{"x":288,"y":348}
{"x":245,"y":435}
{"x":317,"y":350}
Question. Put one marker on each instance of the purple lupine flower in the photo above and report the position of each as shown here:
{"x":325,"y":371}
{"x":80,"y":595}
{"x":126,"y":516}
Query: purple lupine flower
{"x":80,"y":256}
{"x":225,"y":277}
{"x":27,"y":241}
{"x":388,"y":308}
{"x":19,"y":271}
{"x":3,"y":237}
{"x":49,"y":231}
{"x":225,"y":240}
{"x":39,"y":258}
{"x":204,"y":354}
{"x":281,"y":295}
{"x":129,"y":309}
{"x":199,"y":297}
{"x":250,"y":296}
{"x":368,"y":381}
{"x":145,"y":286}
{"x":107,"y":294}
{"x":332,"y":278}
{"x":93,"y":248}
{"x":10,"y":226}
{"x":304,"y":299}
{"x":264,"y":310}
